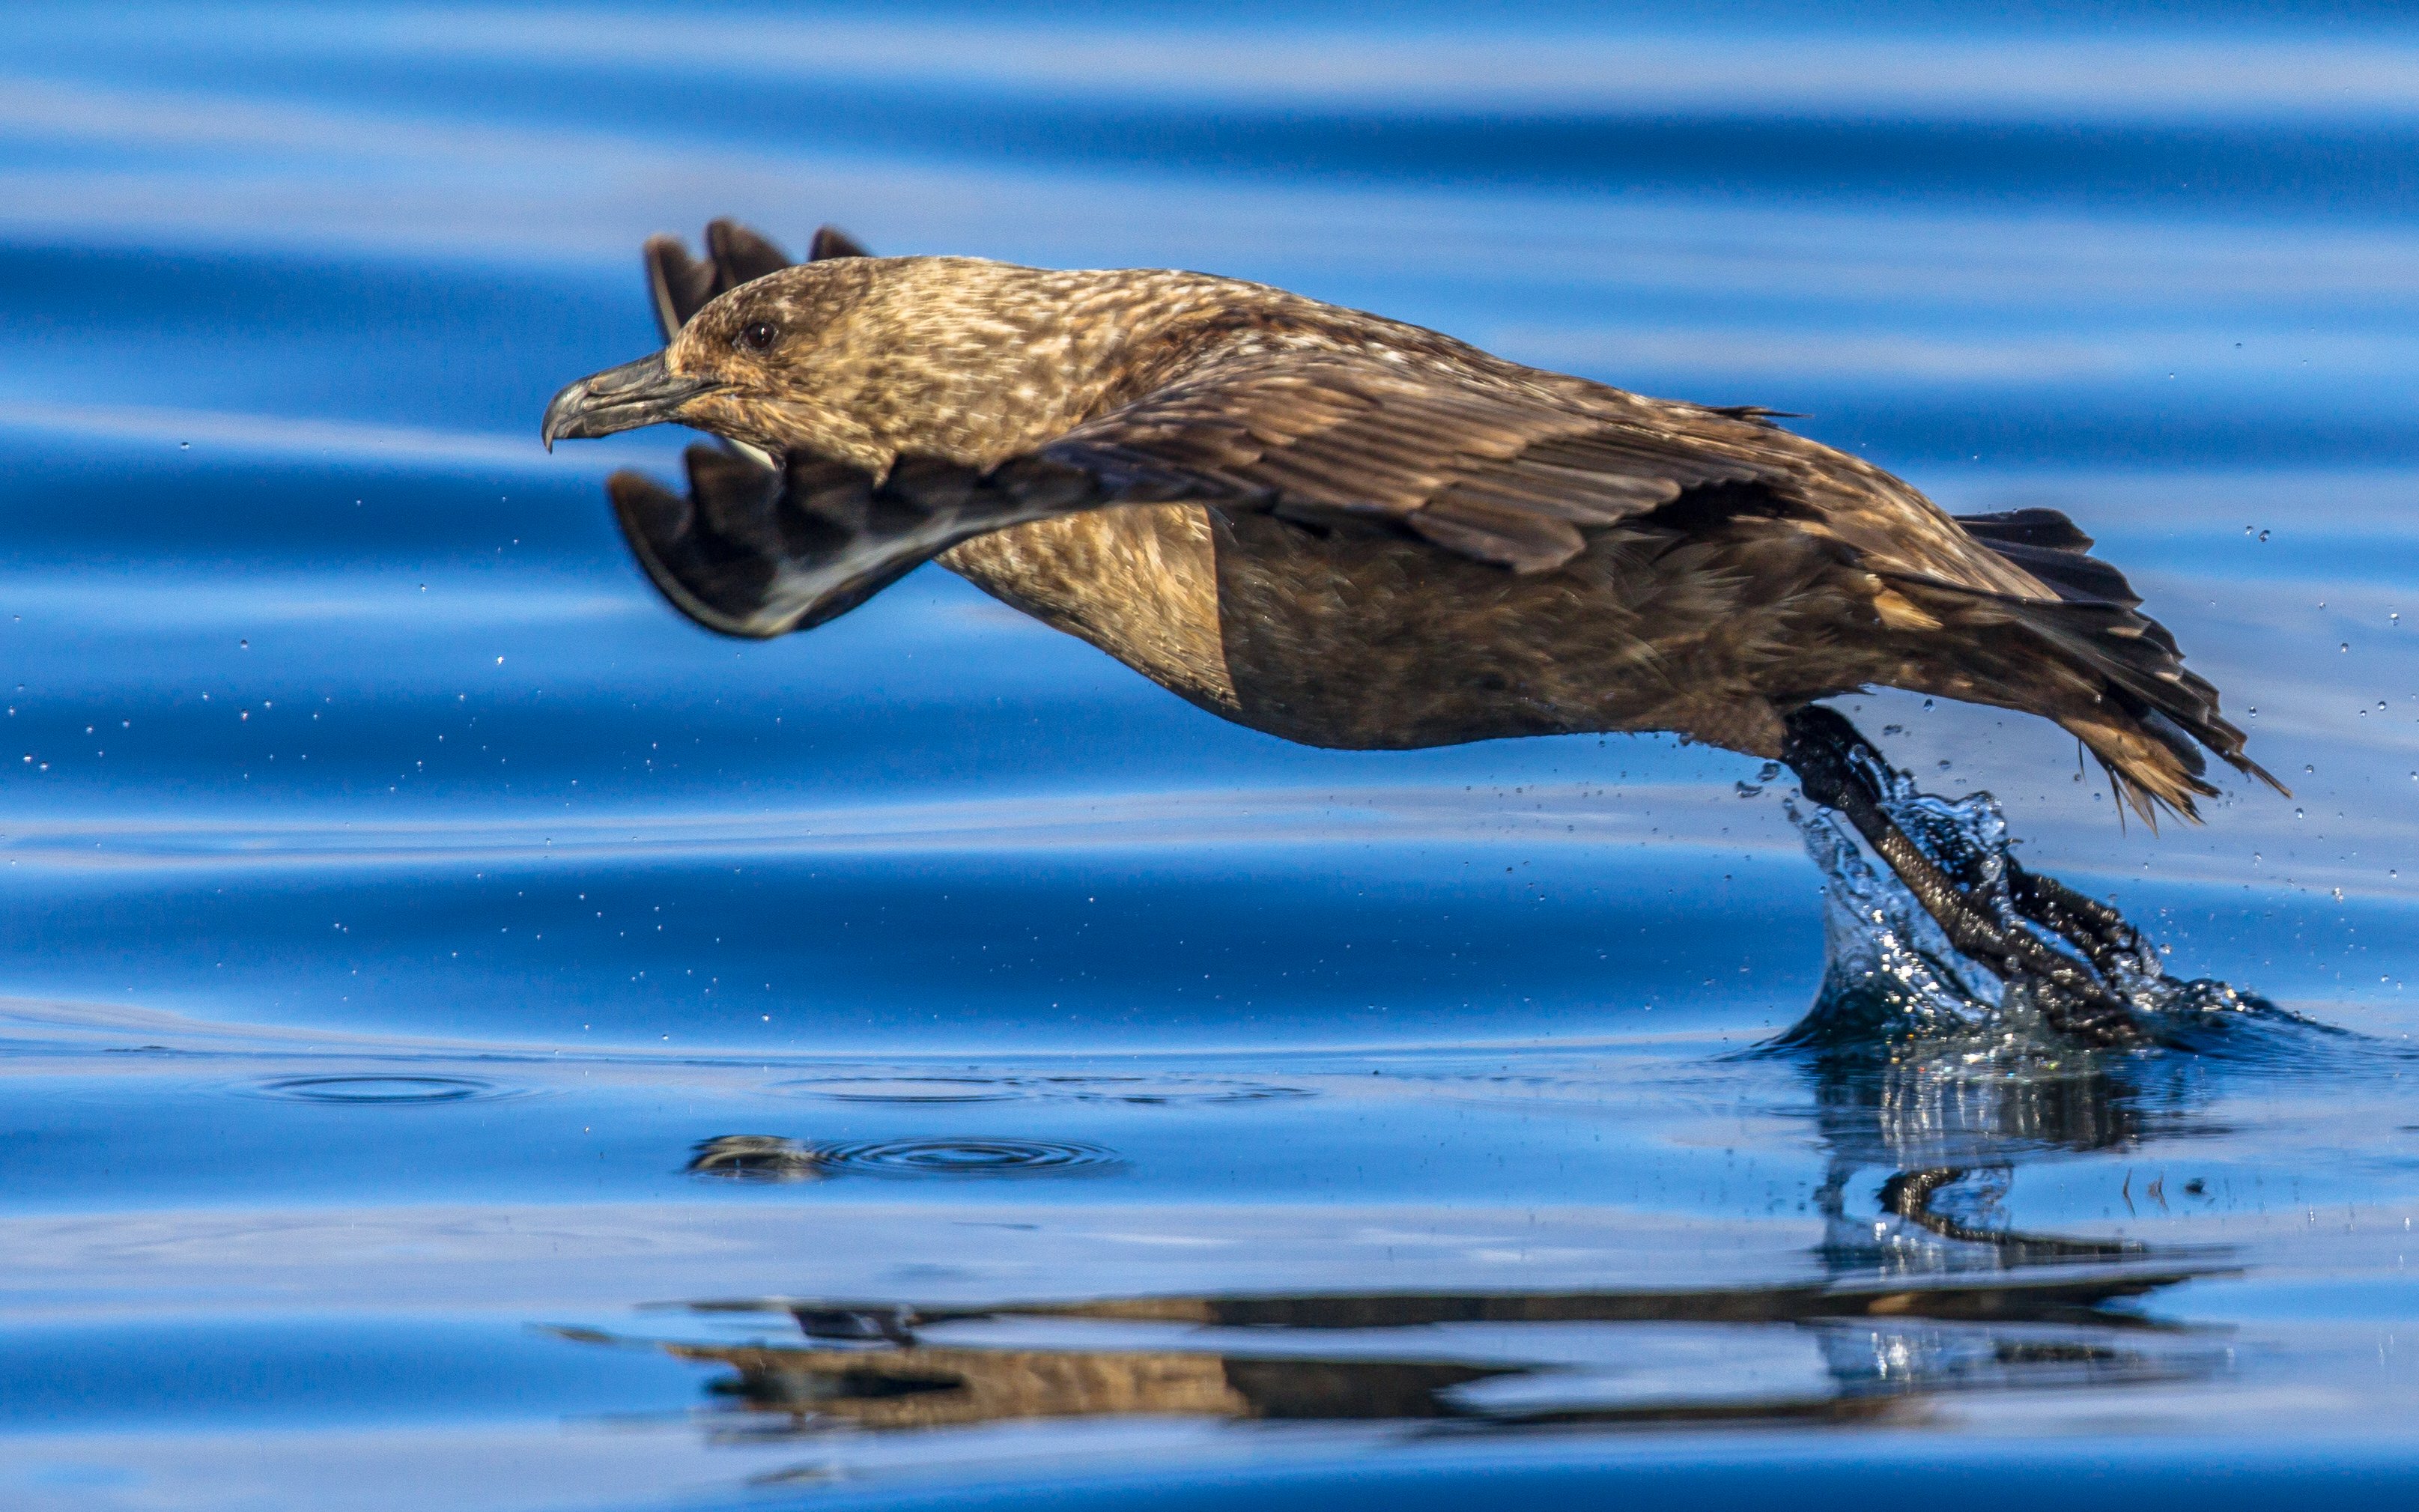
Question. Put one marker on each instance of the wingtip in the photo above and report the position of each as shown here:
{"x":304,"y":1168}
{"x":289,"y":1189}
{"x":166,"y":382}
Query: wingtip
{"x":831,"y":241}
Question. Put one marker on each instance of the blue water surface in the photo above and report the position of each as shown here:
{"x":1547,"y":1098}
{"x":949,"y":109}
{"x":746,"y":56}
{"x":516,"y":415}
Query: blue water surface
{"x":406,"y":910}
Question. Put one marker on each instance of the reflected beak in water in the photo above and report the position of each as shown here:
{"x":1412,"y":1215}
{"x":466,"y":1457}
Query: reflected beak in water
{"x":644,"y":393}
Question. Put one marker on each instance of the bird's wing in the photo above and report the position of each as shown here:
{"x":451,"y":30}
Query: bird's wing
{"x":1500,"y":477}
{"x":1501,"y":473}
{"x":680,"y":285}
{"x":757,"y":551}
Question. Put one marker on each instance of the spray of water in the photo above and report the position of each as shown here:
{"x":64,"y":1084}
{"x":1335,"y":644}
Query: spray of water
{"x":1892,"y":980}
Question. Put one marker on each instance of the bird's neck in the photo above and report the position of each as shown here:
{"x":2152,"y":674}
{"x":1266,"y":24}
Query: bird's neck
{"x":990,"y":362}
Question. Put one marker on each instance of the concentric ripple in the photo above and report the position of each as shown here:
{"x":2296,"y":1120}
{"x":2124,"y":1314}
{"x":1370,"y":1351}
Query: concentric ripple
{"x":965,"y":1157}
{"x":378,"y":1090}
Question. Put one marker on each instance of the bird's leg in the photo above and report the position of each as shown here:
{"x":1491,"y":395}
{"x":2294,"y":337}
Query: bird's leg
{"x":2100,"y":931}
{"x":1820,"y":747}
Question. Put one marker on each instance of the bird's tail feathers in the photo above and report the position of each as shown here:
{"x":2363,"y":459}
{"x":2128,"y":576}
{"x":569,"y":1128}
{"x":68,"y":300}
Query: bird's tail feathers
{"x":2090,"y":659}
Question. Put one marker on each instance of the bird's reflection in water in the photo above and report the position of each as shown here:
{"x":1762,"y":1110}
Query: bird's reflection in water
{"x":1939,"y":1152}
{"x":1921,"y":1160}
{"x":1925,"y":1294}
{"x":1827,"y":1353}
{"x":1924,"y":1136}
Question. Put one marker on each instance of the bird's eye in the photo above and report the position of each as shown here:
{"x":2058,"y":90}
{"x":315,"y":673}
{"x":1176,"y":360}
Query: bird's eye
{"x":757,"y":335}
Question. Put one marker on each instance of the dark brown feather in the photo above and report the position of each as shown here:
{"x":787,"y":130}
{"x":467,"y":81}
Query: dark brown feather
{"x":1500,"y":476}
{"x":831,"y":241}
{"x":679,"y":284}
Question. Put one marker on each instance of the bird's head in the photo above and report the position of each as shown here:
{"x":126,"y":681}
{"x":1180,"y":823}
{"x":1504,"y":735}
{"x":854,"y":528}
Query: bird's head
{"x":758,"y":365}
{"x":856,"y":359}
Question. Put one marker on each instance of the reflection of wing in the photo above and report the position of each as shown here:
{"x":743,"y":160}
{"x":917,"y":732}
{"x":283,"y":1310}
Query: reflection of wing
{"x":681,"y":284}
{"x":1485,"y":473}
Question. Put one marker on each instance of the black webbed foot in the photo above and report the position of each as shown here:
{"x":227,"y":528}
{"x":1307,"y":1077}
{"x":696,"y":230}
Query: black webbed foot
{"x":1837,"y":766}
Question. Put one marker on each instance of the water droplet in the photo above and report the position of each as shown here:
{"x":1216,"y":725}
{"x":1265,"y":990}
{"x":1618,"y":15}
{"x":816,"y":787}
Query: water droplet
{"x":2263,"y":535}
{"x":1927,"y":704}
{"x":2297,"y":813}
{"x":243,"y":645}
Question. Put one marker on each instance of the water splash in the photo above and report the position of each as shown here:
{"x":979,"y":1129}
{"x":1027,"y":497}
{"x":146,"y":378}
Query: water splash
{"x":1893,"y":982}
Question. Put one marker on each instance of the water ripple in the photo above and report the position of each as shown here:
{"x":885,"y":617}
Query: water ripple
{"x":382,"y":1090}
{"x":1145,"y":1091}
{"x":966,"y":1157}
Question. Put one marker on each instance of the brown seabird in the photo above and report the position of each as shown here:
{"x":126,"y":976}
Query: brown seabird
{"x":1354,"y":532}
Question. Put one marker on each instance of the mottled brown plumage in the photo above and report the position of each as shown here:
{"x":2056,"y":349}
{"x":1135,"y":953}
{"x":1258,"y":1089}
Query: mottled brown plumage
{"x":1340,"y":529}
{"x":1352,"y":532}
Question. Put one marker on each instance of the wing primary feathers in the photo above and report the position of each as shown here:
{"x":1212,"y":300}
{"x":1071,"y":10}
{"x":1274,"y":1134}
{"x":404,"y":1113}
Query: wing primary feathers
{"x":677,"y":285}
{"x":2044,"y":529}
{"x":741,"y":255}
{"x":831,"y":241}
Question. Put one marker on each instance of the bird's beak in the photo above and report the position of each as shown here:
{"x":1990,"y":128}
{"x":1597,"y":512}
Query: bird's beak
{"x":643,"y":392}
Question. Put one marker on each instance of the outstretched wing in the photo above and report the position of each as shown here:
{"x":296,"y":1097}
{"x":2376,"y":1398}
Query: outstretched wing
{"x":1499,"y":476}
{"x":758,"y":551}
{"x":680,"y":285}
{"x":1505,"y":474}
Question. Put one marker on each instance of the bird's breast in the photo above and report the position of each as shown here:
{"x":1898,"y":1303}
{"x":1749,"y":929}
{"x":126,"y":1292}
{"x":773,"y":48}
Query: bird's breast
{"x":1140,"y":583}
{"x":1366,"y":640}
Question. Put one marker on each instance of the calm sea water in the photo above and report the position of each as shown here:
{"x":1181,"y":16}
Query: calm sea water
{"x":473,"y":1039}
